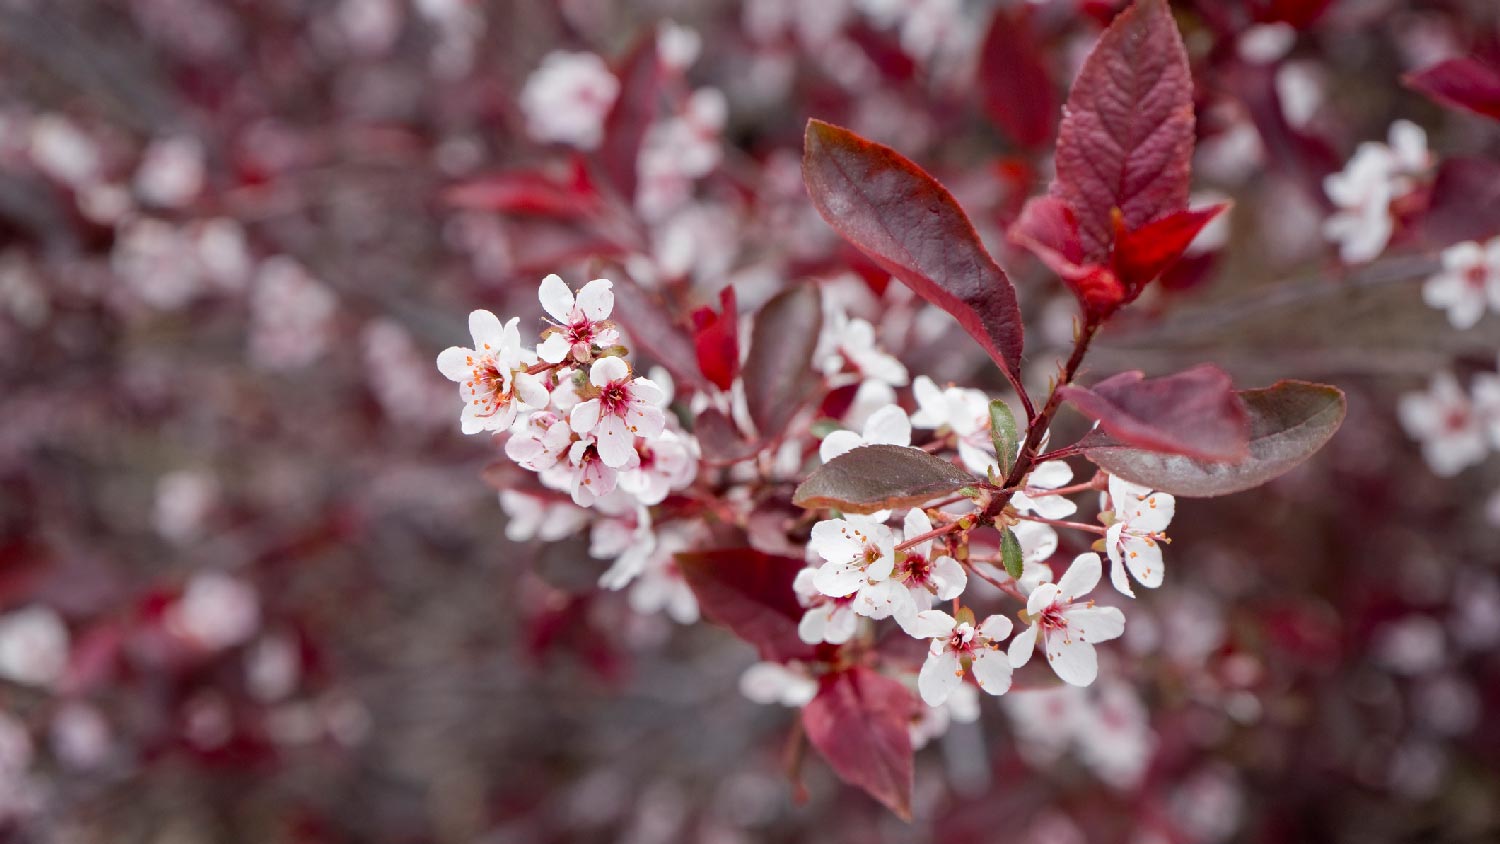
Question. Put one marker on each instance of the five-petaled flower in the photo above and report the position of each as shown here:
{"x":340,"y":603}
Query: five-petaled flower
{"x":1135,"y":538}
{"x":492,"y":375}
{"x":1447,"y":423}
{"x":581,"y":324}
{"x":962,"y":412}
{"x":623,"y":409}
{"x":955,"y":643}
{"x":1068,"y":629}
{"x":1468,"y":282}
{"x":826,"y":619}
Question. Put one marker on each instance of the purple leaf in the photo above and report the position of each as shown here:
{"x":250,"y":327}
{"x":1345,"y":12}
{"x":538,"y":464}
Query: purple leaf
{"x":1194,"y":412}
{"x":749,"y":592}
{"x":1460,"y":83}
{"x":778,"y":372}
{"x":1289,"y":421}
{"x":860,"y":722}
{"x":913,"y":228}
{"x":1126,"y":140}
{"x":880,"y":477}
{"x":1017,"y":90}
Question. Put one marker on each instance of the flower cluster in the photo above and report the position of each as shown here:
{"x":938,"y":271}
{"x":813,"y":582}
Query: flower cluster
{"x":584,"y":422}
{"x":1369,"y":191}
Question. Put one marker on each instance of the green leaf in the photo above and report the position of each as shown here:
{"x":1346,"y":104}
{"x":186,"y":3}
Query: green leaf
{"x":880,"y":477}
{"x":1010,"y":553}
{"x":1003,"y":435}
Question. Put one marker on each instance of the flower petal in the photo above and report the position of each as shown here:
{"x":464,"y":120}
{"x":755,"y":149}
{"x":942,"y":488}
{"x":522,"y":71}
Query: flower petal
{"x":837,"y":443}
{"x":1095,"y":624}
{"x":488,"y":333}
{"x":455,"y":363}
{"x":585,"y":416}
{"x":596,"y":299}
{"x":606,"y":371}
{"x":556,"y":299}
{"x":1080,"y":578}
{"x":992,"y":670}
{"x":1021,"y":647}
{"x":1073,"y":659}
{"x":931,"y":624}
{"x":940,"y":675}
{"x":888,"y":426}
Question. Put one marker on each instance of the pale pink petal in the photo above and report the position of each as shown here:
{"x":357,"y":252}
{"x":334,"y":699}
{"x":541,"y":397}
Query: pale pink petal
{"x":931,"y":624}
{"x":615,"y":442}
{"x":914,"y":525}
{"x":556,"y":299}
{"x":554,"y":348}
{"x":585,"y":416}
{"x":607,"y":371}
{"x":940,"y":675}
{"x":488,"y":333}
{"x":1044,"y":597}
{"x":1117,"y":575}
{"x":596,"y":299}
{"x":1095,"y":624}
{"x":455,"y":362}
{"x":1074,"y":660}
{"x":889,"y":426}
{"x":949,"y":578}
{"x":1021,"y":647}
{"x":1143,"y":557}
{"x":646,"y":390}
{"x":992,"y":670}
{"x":837,"y":580}
{"x":996,"y":628}
{"x":1081,"y":577}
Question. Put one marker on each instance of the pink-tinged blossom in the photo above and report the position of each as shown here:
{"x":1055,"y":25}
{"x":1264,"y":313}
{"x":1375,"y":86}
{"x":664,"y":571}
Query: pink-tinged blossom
{"x":957,"y":645}
{"x":827,"y":619}
{"x":856,"y":552}
{"x":216,"y":611}
{"x":852,"y":341}
{"x":1468,"y":282}
{"x":33,"y":646}
{"x":1447,"y":424}
{"x":667,"y":462}
{"x":961,"y":412}
{"x":171,"y":172}
{"x":660,"y":587}
{"x":1377,"y":175}
{"x":534,"y":517}
{"x":540,"y":441}
{"x":918,"y":578}
{"x":1135,"y":537}
{"x":492,"y":376}
{"x":1068,"y":626}
{"x":579,"y":325}
{"x":567,"y":98}
{"x":886,"y":426}
{"x":772,"y":682}
{"x":291,"y":315}
{"x":585,"y":475}
{"x":625,"y":408}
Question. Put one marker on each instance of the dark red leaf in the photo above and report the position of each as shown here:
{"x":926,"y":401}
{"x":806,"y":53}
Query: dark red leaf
{"x":779,"y":375}
{"x":1465,"y":201}
{"x":1194,"y":412}
{"x":749,"y":592}
{"x":1299,"y":13}
{"x":721,"y":440}
{"x":860,"y":722}
{"x":1126,"y":140}
{"x":631,"y":115}
{"x":1289,"y":421}
{"x":1460,"y":83}
{"x":909,"y":224}
{"x":1017,"y":90}
{"x":879,"y":477}
{"x":1048,"y":228}
{"x":716,"y":336}
{"x":1143,"y":254}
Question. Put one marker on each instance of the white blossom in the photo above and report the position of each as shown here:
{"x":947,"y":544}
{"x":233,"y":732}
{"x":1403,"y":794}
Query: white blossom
{"x":492,"y":376}
{"x":963,"y":412}
{"x":532,"y":516}
{"x":1033,"y":497}
{"x":1134,"y":540}
{"x":1468,"y":282}
{"x":955,"y":643}
{"x":579,"y":325}
{"x":917,"y":579}
{"x":216,"y":611}
{"x":624,"y":408}
{"x":33,"y":646}
{"x":772,"y":682}
{"x":826,"y":619}
{"x":856,"y":552}
{"x":1447,"y":424}
{"x":1067,"y":626}
{"x":566,"y":99}
{"x":852,"y":341}
{"x":1375,"y":176}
